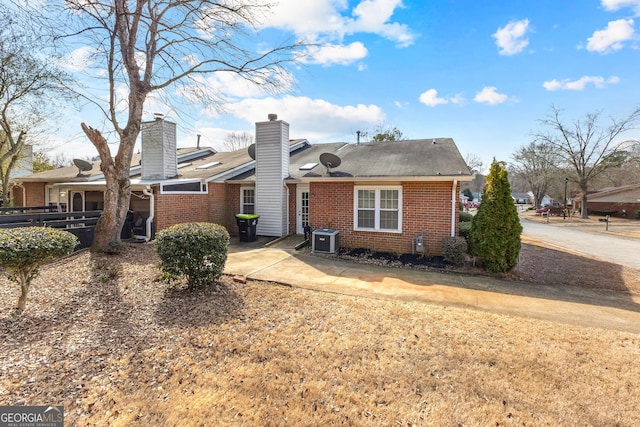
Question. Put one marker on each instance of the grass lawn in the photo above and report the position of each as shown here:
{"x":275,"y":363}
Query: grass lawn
{"x":104,"y":338}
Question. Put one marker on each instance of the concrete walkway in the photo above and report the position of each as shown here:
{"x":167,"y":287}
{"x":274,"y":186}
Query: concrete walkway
{"x":610,"y":310}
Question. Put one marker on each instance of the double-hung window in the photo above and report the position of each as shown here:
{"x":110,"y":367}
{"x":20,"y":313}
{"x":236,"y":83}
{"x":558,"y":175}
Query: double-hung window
{"x":248,"y":200}
{"x":378,"y":208}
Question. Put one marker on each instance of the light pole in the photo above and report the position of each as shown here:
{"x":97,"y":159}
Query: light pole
{"x":566,"y":181}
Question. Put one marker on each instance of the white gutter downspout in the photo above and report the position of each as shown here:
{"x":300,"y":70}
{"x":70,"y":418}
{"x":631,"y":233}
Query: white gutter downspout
{"x":454,"y":206}
{"x":146,"y":192}
{"x":286,"y":190}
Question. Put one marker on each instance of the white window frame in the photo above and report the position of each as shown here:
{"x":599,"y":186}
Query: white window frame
{"x":377,"y":209}
{"x":242,"y":190}
{"x":204,"y":188}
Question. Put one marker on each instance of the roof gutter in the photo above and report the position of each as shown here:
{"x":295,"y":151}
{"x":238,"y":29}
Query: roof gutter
{"x":430,"y":178}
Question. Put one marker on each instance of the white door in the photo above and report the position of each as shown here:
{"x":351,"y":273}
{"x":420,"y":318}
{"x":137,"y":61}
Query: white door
{"x":302,"y":207}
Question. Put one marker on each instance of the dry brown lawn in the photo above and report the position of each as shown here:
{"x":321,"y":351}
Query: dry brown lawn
{"x":116,"y":347}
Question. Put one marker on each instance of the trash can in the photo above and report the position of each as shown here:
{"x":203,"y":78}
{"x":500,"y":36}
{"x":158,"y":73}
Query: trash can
{"x":247,"y":226}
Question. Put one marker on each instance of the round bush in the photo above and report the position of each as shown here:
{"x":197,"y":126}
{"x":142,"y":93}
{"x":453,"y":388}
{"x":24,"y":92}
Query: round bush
{"x":454,"y":250}
{"x":24,"y":250}
{"x":465,"y":217}
{"x":196,"y":251}
{"x":464,"y":228}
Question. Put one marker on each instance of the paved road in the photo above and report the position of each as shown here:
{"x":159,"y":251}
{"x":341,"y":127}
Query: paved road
{"x":610,"y":248}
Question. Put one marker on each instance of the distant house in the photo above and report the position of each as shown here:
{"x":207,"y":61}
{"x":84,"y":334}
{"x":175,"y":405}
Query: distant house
{"x":521,"y":198}
{"x":377,"y":195}
{"x":621,"y":201}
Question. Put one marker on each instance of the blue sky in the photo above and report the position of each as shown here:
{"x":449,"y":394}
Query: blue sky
{"x":481,"y":72}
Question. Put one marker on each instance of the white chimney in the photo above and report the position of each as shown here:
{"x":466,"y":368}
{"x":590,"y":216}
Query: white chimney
{"x":272,"y":167}
{"x":159,"y":155}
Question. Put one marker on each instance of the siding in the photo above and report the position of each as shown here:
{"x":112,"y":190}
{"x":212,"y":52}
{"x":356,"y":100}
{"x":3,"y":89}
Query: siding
{"x":272,"y":167}
{"x":159,"y":155}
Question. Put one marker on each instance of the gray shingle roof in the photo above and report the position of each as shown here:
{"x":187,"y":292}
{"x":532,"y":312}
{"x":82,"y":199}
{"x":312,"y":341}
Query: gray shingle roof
{"x":421,"y":158}
{"x":408,"y":158}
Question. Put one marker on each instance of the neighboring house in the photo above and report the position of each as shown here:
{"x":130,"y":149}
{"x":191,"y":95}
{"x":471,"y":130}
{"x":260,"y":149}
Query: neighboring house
{"x":380,"y":196}
{"x":621,"y":201}
{"x":521,"y":198}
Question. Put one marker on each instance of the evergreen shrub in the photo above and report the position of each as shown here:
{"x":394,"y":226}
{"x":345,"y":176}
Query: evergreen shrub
{"x":24,"y":250}
{"x":195,"y":251}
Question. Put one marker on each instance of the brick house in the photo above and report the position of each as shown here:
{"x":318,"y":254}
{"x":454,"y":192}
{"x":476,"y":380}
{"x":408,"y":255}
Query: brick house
{"x":378,"y":195}
{"x":623,"y":201}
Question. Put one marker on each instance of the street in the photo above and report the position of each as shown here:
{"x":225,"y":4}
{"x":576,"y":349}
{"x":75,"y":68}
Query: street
{"x":590,"y":240}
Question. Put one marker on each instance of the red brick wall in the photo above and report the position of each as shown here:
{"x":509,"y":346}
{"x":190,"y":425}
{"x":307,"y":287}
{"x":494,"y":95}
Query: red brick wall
{"x":173,"y":209}
{"x":35,"y":194}
{"x":231,"y":208}
{"x":425,"y":206}
{"x":614,"y":208}
{"x":218,"y":204}
{"x":293,"y":213}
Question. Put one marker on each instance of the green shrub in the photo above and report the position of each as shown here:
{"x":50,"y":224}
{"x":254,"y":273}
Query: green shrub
{"x":466,"y":217}
{"x":195,"y":251}
{"x":454,"y":250}
{"x":463,"y":229}
{"x":494,"y":238}
{"x":24,"y":250}
{"x":637,"y":214}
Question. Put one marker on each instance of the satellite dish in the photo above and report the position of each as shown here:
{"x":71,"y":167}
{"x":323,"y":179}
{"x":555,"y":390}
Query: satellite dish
{"x":330,"y":160}
{"x":252,"y":151}
{"x":82,"y":165}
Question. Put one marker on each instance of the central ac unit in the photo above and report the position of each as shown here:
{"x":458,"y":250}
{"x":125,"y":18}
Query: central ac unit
{"x":325,"y":240}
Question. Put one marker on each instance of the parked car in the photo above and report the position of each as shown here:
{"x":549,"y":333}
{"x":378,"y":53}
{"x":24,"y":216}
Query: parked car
{"x":542,"y":209}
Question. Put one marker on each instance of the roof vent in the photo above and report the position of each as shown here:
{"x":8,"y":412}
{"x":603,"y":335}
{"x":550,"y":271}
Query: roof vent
{"x":158,"y":116}
{"x":434,"y":141}
{"x":272,"y":117}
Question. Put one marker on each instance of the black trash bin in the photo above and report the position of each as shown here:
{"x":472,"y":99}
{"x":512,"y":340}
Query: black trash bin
{"x":127,"y":228}
{"x":247,"y":226}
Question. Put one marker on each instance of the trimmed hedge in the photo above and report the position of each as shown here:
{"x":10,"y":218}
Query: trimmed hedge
{"x":24,"y":250}
{"x":196,"y":251}
{"x":466,"y":217}
{"x":464,"y":228}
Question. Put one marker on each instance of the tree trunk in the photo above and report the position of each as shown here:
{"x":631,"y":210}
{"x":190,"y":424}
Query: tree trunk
{"x":22,"y":301}
{"x":583,"y":206}
{"x":117,"y":193}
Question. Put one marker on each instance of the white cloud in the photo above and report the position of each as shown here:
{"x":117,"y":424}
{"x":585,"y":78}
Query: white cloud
{"x":335,"y":54}
{"x":78,"y":60}
{"x":373,"y":16}
{"x":613,"y":5}
{"x":612,"y":37}
{"x":511,"y":38}
{"x":490,"y":95}
{"x":430,"y":98}
{"x":581,"y":83}
{"x":315,"y":119}
{"x":331,"y":20}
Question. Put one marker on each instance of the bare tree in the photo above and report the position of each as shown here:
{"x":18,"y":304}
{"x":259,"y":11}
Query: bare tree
{"x":585,"y":146}
{"x":237,"y":140}
{"x":474,"y":162}
{"x":29,"y":87}
{"x":535,"y":165}
{"x":148,"y":46}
